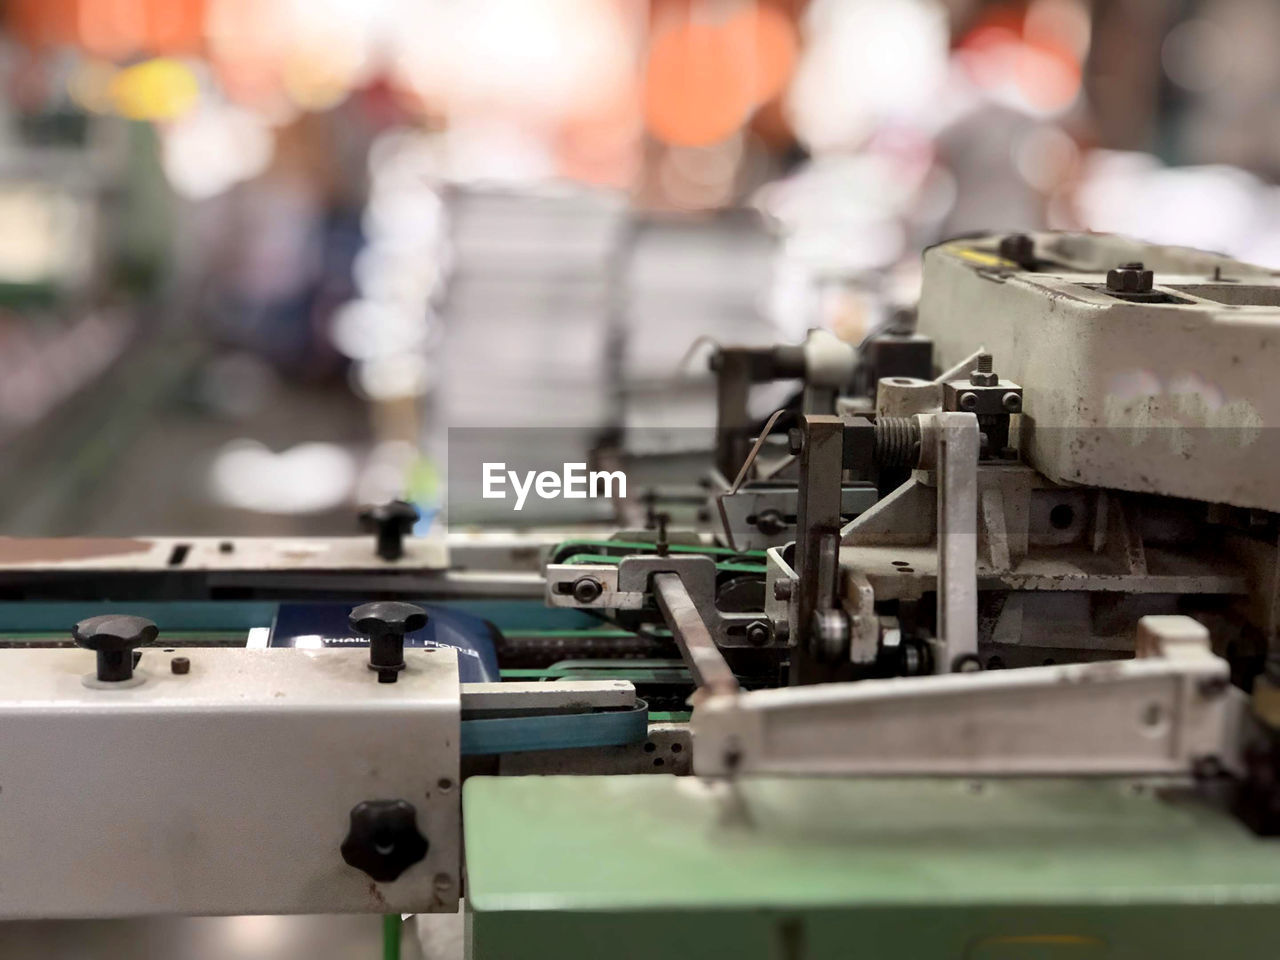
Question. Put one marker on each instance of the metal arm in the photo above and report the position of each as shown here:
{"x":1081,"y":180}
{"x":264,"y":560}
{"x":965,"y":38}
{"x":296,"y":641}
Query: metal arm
{"x":700,"y":652}
{"x":1162,"y":714}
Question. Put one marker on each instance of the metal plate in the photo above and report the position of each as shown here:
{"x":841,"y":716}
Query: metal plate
{"x":637,"y":867}
{"x":225,"y":790}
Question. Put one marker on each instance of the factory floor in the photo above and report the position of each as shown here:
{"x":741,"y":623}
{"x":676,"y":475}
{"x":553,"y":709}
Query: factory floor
{"x":135,"y":454}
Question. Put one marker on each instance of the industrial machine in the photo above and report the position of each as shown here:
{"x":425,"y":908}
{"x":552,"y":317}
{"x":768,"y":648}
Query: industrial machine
{"x":978,"y":655}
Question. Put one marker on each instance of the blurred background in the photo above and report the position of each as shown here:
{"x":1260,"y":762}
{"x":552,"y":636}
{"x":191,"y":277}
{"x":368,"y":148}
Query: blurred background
{"x":258,"y":256}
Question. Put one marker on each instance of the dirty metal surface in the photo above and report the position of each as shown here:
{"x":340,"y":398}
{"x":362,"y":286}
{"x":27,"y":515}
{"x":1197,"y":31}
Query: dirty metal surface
{"x":225,"y":790}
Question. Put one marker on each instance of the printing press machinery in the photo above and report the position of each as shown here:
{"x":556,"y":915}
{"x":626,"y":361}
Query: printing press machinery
{"x":978,"y":655}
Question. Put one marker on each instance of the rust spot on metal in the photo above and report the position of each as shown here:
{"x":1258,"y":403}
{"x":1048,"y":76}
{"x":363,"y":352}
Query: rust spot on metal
{"x":376,"y":895}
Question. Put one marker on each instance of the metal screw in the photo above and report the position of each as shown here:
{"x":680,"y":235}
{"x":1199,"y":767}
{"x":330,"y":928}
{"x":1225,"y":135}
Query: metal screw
{"x":983,"y":375}
{"x":758,"y":633}
{"x":1130,"y":278}
{"x":795,"y":441}
{"x":782,"y":590}
{"x":1011,"y":401}
{"x":966,"y":663}
{"x":1019,"y":248}
{"x":770,"y":522}
{"x":660,"y":541}
{"x":587,"y":589}
{"x":180,"y":665}
{"x":390,"y":522}
{"x":968,"y":400}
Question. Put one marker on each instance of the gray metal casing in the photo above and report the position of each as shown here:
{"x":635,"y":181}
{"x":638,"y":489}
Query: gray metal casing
{"x":223,"y":791}
{"x":1174,"y":398}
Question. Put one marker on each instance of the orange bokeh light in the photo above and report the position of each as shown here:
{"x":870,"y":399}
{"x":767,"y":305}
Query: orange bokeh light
{"x":704,"y":78}
{"x":1044,"y":68}
{"x":112,"y":28}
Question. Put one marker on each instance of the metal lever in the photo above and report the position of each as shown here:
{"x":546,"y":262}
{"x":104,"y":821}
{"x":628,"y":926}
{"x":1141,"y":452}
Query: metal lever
{"x":710,"y":671}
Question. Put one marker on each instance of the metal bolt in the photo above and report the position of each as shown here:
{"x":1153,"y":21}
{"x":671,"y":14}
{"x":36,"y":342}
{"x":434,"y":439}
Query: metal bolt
{"x":587,"y":589}
{"x":968,"y":400}
{"x":966,"y":663}
{"x":770,"y":522}
{"x":1019,"y":248}
{"x":1130,"y":278}
{"x":795,"y":441}
{"x":782,"y":590}
{"x":1011,"y":401}
{"x":180,"y":665}
{"x":758,"y":633}
{"x":390,"y":522}
{"x":660,"y":541}
{"x":983,"y":375}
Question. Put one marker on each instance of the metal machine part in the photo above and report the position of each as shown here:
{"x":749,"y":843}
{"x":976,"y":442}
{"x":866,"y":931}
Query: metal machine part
{"x":971,"y":547}
{"x":824,"y":363}
{"x":762,"y":868}
{"x":709,"y":669}
{"x":1129,"y":385}
{"x":494,"y":563}
{"x":385,"y":622}
{"x":137,"y":800}
{"x":764,"y":514}
{"x":630,"y":586}
{"x":114,"y":637}
{"x":390,"y":523}
{"x":1169,"y":712}
{"x":957,"y":588}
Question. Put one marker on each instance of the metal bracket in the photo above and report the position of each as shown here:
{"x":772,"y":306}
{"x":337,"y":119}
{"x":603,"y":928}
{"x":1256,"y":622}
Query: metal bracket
{"x":957,"y":466}
{"x":1162,"y":714}
{"x":629,"y":586}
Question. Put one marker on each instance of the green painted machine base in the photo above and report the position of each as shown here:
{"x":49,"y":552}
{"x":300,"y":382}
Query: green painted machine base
{"x":664,"y":867}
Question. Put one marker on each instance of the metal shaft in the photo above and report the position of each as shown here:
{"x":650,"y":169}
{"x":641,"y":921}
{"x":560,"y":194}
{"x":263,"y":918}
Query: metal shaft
{"x":710,"y":672}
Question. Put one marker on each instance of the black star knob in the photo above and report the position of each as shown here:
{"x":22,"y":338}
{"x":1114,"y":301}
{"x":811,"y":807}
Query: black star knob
{"x":385,"y":622}
{"x":390,"y":522}
{"x":113,"y":637}
{"x":383,"y":839}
